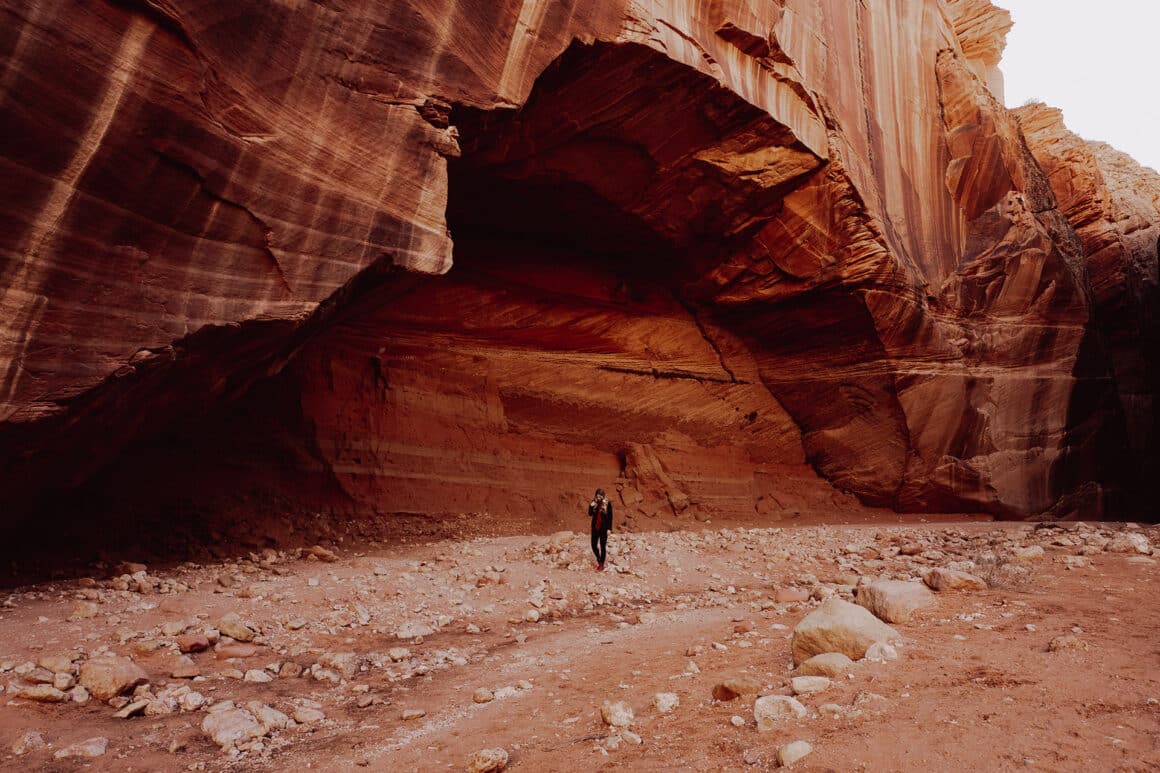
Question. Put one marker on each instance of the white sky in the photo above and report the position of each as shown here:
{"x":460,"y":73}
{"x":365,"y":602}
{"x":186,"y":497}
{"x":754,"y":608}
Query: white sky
{"x":1097,"y":61}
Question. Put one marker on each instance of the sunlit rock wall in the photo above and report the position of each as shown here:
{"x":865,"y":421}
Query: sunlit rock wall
{"x":704,"y":249}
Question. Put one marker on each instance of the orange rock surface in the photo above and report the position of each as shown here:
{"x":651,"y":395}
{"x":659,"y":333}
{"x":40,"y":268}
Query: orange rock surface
{"x":437,"y":258}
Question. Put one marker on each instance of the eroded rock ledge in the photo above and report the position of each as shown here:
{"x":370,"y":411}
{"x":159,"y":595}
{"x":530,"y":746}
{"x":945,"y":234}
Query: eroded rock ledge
{"x":396,"y":257}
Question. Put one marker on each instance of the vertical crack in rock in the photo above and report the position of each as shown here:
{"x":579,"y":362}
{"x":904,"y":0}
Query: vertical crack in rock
{"x":695,"y":313}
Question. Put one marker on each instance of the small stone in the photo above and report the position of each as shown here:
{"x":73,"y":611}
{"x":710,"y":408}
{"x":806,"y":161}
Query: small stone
{"x":631,"y":737}
{"x":174,"y":627}
{"x":108,"y":677}
{"x":894,"y":601}
{"x":952,"y":580}
{"x":790,"y":595}
{"x":136,"y":707}
{"x":63,"y":681}
{"x":42,"y":693}
{"x":93,"y":747}
{"x":185,"y":668}
{"x":532,"y":616}
{"x":413,"y":630}
{"x":871,"y":701}
{"x":771,"y":710}
{"x":307,"y":716}
{"x":29,"y":742}
{"x":482,"y":695}
{"x":409,"y":714}
{"x":1066,"y":642}
{"x":487,"y":761}
{"x":323,"y":554}
{"x":737,"y":721}
{"x":290,"y":670}
{"x":57,"y":664}
{"x":79,"y":694}
{"x":229,"y":727}
{"x":792,"y":752}
{"x":807,"y":685}
{"x":831,"y":664}
{"x":1031,"y":553}
{"x":397,"y":654}
{"x":269,"y":717}
{"x":233,"y":627}
{"x":666,"y":701}
{"x":832,"y":710}
{"x":881,"y":652}
{"x":364,"y":701}
{"x":40,"y":676}
{"x":258,"y":676}
{"x":227,"y":649}
{"x":732,"y":689}
{"x":192,"y":642}
{"x":618,"y":714}
{"x":191,"y":701}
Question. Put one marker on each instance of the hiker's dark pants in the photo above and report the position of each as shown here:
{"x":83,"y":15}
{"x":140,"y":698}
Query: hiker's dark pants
{"x":600,"y":544}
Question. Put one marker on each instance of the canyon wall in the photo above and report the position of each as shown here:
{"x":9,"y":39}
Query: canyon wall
{"x":434,"y":258}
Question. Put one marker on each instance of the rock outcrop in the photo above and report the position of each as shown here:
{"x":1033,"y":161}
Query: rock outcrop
{"x":410,"y":258}
{"x":1114,"y":205}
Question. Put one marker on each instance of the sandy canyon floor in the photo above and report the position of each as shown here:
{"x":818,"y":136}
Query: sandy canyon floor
{"x":417,"y":656}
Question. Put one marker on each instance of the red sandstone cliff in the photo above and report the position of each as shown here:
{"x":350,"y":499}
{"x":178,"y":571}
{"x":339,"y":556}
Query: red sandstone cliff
{"x":461,"y":257}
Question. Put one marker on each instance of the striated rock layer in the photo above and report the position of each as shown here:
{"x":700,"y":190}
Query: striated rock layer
{"x":434,"y":258}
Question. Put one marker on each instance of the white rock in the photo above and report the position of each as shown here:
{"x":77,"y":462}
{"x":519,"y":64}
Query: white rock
{"x":1129,"y":542}
{"x":771,"y":710}
{"x":191,"y":701}
{"x":617,"y":714}
{"x":1027,"y":554}
{"x":229,"y":727}
{"x":258,"y":676}
{"x":807,"y":685}
{"x":413,"y":630}
{"x":487,"y":761}
{"x":792,"y":752}
{"x":737,"y":721}
{"x":271,"y":718}
{"x":946,"y":579}
{"x":29,"y":742}
{"x":308,"y":716}
{"x":93,"y":747}
{"x":666,"y":701}
{"x":881,"y":652}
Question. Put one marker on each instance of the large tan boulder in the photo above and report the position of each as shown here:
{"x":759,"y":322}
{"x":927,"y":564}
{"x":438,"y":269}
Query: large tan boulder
{"x":894,"y":601}
{"x":108,"y":677}
{"x":838,"y":626}
{"x":952,"y":579}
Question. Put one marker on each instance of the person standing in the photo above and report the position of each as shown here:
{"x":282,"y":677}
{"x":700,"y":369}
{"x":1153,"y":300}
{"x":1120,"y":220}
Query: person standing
{"x":600,"y":511}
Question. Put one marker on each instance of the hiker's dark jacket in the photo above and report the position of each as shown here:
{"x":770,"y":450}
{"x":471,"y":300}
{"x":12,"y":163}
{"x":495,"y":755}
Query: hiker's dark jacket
{"x":601,"y":521}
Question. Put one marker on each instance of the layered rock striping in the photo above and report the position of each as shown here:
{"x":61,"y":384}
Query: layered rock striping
{"x":454,"y":257}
